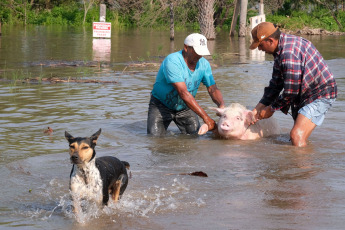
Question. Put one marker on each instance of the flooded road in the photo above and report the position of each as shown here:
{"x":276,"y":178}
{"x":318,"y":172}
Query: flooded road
{"x":263,"y":184}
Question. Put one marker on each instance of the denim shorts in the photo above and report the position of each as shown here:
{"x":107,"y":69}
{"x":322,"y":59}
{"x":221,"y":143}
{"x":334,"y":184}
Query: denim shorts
{"x":316,"y":110}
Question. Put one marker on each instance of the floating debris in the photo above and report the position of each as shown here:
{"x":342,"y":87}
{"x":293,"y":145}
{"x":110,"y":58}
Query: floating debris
{"x":48,"y":130}
{"x":197,"y":173}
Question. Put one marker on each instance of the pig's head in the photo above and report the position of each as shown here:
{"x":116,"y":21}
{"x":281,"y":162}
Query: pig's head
{"x":234,"y":121}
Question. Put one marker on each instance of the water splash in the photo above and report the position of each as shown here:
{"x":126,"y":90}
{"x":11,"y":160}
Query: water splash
{"x":134,"y":203}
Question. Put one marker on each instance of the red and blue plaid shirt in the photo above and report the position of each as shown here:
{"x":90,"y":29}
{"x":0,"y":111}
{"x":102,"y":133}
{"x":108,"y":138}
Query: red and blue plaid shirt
{"x":301,"y":73}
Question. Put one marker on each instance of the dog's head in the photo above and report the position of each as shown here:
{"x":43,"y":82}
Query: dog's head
{"x":82,"y":149}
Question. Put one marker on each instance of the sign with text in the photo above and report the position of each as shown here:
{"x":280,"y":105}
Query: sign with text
{"x":101,"y":29}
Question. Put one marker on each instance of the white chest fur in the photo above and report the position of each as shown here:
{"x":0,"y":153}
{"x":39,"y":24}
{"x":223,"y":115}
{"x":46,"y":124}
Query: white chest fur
{"x":86,"y":182}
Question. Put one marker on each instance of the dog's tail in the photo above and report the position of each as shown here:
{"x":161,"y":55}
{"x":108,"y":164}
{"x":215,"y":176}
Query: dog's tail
{"x":126,"y":164}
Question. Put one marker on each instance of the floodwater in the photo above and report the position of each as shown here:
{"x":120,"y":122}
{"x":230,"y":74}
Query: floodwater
{"x":263,"y":184}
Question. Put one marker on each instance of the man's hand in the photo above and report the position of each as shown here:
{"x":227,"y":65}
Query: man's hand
{"x":211,"y":124}
{"x":262,"y":111}
{"x":266,"y":112}
{"x":203,"y":129}
{"x":256,"y":112}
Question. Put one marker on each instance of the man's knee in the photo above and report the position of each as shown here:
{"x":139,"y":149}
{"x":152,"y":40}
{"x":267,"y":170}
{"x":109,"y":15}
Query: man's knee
{"x":155,"y":126}
{"x":155,"y":131}
{"x":157,"y":121}
{"x":188,"y":123}
{"x":298,"y":137}
{"x":301,"y":131}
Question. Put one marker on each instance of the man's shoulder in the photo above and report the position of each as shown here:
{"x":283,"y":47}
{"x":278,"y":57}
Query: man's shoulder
{"x":174,"y":56}
{"x":294,"y":40}
{"x":204,"y":63}
{"x":292,"y":45}
{"x":174,"y":60}
{"x":289,"y":39}
{"x":204,"y":60}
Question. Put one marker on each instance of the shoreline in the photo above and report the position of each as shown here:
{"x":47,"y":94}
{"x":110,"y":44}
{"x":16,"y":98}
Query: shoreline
{"x":311,"y":31}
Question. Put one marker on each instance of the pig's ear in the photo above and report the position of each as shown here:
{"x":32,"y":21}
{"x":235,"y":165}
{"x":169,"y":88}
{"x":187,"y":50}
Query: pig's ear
{"x":249,"y":116}
{"x":218,"y":110}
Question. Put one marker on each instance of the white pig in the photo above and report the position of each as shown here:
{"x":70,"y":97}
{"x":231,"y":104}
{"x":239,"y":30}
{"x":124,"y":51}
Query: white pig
{"x":235,"y":123}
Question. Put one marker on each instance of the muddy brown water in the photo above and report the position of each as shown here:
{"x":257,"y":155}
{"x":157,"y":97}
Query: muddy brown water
{"x":263,"y":184}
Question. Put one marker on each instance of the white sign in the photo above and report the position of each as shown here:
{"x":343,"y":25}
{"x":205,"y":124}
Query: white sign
{"x":254,"y":21}
{"x":101,"y":29}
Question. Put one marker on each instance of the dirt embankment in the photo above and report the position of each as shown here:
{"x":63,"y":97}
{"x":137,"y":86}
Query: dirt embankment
{"x":310,"y":31}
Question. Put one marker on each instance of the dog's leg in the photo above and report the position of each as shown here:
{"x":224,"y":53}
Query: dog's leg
{"x":76,"y":208}
{"x":115,"y":188}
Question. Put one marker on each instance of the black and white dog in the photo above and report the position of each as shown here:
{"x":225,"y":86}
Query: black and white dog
{"x":94,"y":178}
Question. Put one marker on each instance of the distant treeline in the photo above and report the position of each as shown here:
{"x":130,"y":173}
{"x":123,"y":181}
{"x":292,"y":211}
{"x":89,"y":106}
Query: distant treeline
{"x":289,"y":14}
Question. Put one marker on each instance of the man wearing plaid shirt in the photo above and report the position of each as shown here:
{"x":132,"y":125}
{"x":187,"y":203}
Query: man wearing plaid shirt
{"x":301,"y":80}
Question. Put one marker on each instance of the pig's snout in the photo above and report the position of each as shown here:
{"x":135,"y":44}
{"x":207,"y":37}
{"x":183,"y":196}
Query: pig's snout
{"x":225,"y":126}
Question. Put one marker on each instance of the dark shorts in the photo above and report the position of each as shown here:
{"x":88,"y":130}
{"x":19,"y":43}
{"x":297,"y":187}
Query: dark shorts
{"x":160,"y":117}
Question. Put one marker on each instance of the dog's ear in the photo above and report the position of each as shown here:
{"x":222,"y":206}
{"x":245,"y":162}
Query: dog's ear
{"x":68,"y":136}
{"x":95,"y":136}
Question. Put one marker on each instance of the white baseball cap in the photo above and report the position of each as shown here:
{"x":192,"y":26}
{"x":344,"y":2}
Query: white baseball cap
{"x":198,"y":42}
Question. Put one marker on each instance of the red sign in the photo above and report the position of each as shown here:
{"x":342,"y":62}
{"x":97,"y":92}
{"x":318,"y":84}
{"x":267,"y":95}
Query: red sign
{"x":101,"y":29}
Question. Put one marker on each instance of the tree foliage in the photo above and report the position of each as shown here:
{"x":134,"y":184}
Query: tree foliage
{"x":328,"y":14}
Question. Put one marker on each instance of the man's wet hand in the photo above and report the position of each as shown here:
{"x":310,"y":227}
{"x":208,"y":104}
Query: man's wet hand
{"x":203,"y":129}
{"x":211,"y":124}
{"x":266,"y":112}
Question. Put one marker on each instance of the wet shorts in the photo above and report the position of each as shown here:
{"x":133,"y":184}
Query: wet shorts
{"x":316,"y":110}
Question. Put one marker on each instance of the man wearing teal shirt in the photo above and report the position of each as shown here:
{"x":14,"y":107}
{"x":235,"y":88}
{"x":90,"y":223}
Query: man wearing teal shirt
{"x":177,"y":82}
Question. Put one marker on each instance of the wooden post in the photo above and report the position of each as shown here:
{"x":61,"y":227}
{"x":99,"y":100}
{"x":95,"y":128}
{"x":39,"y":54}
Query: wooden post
{"x":234,"y":17}
{"x":172,"y":32}
{"x":102,"y":12}
{"x":172,"y":46}
{"x":24,"y":12}
{"x":261,"y":9}
{"x":243,"y":18}
{"x":242,"y":49}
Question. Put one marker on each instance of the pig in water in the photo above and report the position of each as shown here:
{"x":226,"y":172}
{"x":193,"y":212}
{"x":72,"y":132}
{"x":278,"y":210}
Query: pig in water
{"x":235,"y":123}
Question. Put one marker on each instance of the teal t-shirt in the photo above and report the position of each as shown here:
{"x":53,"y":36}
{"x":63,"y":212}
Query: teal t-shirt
{"x":174,"y":69}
